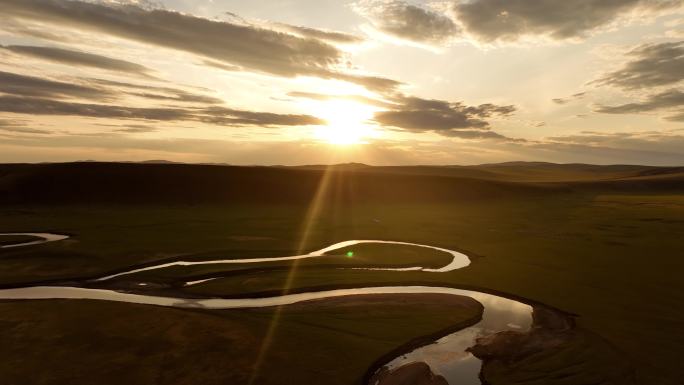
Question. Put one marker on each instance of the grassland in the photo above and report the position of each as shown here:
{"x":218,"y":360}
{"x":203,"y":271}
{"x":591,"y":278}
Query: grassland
{"x":603,"y":245}
{"x":9,"y":240}
{"x":331,"y":342}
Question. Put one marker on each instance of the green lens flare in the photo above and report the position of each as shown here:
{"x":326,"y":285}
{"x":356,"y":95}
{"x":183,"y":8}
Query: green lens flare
{"x":350,"y":254}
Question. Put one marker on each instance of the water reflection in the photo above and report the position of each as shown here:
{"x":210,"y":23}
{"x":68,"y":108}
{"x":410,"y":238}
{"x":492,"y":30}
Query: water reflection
{"x":45,"y":238}
{"x":458,"y":261}
{"x":448,"y":356}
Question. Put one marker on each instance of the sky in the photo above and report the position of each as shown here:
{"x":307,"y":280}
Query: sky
{"x":383,"y":82}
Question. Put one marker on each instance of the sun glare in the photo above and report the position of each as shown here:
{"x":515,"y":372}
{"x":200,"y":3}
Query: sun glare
{"x":347,"y":122}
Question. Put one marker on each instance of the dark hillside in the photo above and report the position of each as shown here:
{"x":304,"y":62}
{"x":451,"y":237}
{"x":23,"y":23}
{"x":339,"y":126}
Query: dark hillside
{"x":182,"y":183}
{"x":149,"y":183}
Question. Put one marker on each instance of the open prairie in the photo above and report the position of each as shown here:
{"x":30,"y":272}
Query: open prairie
{"x":599,"y":245}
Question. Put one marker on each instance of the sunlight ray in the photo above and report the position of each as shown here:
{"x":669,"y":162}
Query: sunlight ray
{"x":313,"y":212}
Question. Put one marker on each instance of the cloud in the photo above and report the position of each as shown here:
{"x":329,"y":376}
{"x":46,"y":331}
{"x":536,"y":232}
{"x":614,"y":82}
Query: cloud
{"x":19,"y":127}
{"x":136,"y":129}
{"x":664,"y":100}
{"x":227,"y":116}
{"x":66,"y":56}
{"x":408,"y":22}
{"x":506,"y":20}
{"x":679,"y":117}
{"x":638,"y":148}
{"x":320,"y":34}
{"x":36,"y":30}
{"x":654,"y":142}
{"x":474,"y":134}
{"x":662,"y":152}
{"x":222,"y":66}
{"x":439,"y":116}
{"x":179,"y":96}
{"x":569,"y":99}
{"x":246,"y":46}
{"x":415,"y":114}
{"x":16,"y":84}
{"x":156,"y":92}
{"x":94,"y":89}
{"x":211,"y":115}
{"x":326,"y":97}
{"x":36,"y":96}
{"x":490,"y":21}
{"x":373,"y":83}
{"x":302,"y":31}
{"x":652,"y":65}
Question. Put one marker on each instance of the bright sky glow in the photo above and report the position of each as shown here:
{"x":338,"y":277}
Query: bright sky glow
{"x":347,"y":122}
{"x":312,"y":81}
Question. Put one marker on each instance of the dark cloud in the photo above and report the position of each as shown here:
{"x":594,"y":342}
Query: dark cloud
{"x":180,"y":96}
{"x":222,"y":66}
{"x":656,"y":149}
{"x":249,"y":47}
{"x":227,"y":116}
{"x":406,"y":21}
{"x":474,"y":134}
{"x":653,"y":142}
{"x":506,"y":20}
{"x":428,"y":115}
{"x":679,"y":117}
{"x":210,"y":115}
{"x":36,"y":96}
{"x":78,"y":58}
{"x":664,"y":100}
{"x":579,"y":95}
{"x":94,"y":89}
{"x":23,"y":130}
{"x":373,"y":83}
{"x":23,"y":85}
{"x":439,"y":116}
{"x":19,"y":127}
{"x":43,"y":106}
{"x":136,"y":129}
{"x":331,"y":36}
{"x":24,"y":28}
{"x":157,"y":93}
{"x":652,"y":65}
{"x":591,"y":137}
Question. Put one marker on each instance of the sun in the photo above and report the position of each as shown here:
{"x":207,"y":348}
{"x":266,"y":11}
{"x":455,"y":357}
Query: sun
{"x":347,"y":122}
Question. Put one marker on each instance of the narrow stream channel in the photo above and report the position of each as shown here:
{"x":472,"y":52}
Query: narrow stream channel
{"x":45,"y":238}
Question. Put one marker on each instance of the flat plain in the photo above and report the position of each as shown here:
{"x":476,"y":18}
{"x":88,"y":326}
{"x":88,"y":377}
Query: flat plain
{"x":603,"y":243}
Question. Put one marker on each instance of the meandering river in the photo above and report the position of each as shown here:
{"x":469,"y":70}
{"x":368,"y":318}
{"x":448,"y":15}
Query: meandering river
{"x":446,"y":357}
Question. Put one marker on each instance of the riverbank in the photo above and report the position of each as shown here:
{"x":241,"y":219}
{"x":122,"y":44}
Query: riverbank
{"x":76,"y":341}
